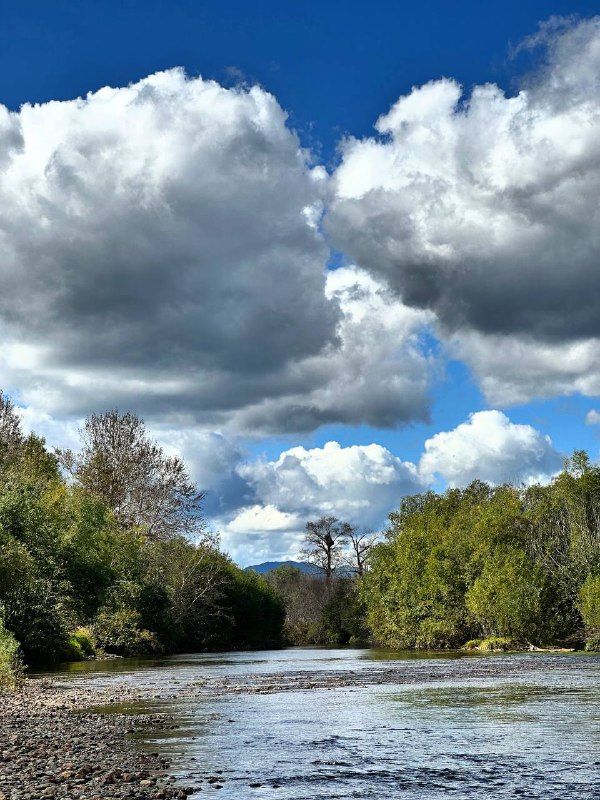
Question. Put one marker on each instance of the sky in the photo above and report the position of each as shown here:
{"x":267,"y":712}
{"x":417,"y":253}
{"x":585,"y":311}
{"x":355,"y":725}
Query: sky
{"x":331,"y":255}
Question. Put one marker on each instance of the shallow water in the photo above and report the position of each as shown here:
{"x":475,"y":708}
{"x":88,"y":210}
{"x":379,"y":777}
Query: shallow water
{"x":386,"y":725}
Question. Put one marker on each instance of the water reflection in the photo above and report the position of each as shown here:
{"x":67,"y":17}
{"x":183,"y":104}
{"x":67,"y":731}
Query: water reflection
{"x":462,"y":726}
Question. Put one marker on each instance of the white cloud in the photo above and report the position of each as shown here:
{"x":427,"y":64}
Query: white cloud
{"x":155,"y":244}
{"x":58,"y":433}
{"x":491,"y":448}
{"x":514,"y":369}
{"x":160,"y":250}
{"x":357,"y":483}
{"x":484,"y":209}
{"x":592,"y":417}
{"x":360,"y":484}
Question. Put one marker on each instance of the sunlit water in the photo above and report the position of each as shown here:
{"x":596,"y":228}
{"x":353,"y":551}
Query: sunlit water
{"x":529,"y":729}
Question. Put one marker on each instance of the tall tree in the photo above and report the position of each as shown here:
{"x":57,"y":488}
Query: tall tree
{"x":325,"y":539}
{"x":361,"y":542}
{"x":144,"y":488}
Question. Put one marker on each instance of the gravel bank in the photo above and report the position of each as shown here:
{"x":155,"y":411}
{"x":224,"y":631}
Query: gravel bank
{"x":52,"y":747}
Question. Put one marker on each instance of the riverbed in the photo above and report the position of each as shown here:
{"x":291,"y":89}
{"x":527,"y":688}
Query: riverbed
{"x":302,"y":724}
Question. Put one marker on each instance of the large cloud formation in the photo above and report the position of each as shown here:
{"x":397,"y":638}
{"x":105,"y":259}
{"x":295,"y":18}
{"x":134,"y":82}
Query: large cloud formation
{"x":363,"y":483}
{"x":489,"y":447}
{"x":359,"y":483}
{"x":159,"y":248}
{"x":484,"y":208}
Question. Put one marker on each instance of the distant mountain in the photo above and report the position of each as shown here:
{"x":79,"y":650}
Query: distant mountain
{"x":267,"y":566}
{"x":303,"y":566}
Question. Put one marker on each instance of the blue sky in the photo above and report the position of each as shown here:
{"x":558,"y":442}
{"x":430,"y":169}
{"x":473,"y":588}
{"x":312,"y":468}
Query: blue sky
{"x":168,"y":248}
{"x":333,"y":67}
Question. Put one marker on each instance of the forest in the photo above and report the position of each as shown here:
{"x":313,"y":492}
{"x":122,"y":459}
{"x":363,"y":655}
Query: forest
{"x":106,"y":551}
{"x":496,"y":568}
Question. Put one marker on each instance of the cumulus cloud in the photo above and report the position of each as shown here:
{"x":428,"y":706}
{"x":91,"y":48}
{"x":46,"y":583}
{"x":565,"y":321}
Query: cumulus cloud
{"x":360,"y":484}
{"x":484,"y":209}
{"x":159,"y":249}
{"x":491,"y":448}
{"x":513,"y":369}
{"x":592,"y":417}
{"x":378,"y":370}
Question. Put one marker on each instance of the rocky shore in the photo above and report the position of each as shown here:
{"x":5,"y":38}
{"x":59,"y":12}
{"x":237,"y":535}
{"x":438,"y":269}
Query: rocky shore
{"x":52,"y":746}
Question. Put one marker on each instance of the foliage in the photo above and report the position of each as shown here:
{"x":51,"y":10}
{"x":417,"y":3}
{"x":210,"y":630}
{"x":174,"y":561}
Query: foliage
{"x":304,"y":597}
{"x":589,"y":605}
{"x":344,"y":615}
{"x":119,"y":465}
{"x":493,"y":644}
{"x":11,"y":437}
{"x":505,"y":598}
{"x":73,"y":576}
{"x":484,"y":562}
{"x":11,"y":665}
{"x":121,"y":633}
{"x":86,"y":641}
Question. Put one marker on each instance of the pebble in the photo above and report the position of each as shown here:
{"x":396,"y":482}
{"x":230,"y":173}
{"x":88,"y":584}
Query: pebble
{"x":53,"y":748}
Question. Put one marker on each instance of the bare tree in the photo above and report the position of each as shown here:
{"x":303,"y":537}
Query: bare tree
{"x":325,"y":539}
{"x":361,"y":542}
{"x":143,"y":487}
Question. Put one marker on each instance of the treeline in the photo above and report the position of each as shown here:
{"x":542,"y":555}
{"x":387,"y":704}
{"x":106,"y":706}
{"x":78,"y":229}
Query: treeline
{"x":107,"y":551}
{"x":483,"y":567}
{"x":517,"y":565}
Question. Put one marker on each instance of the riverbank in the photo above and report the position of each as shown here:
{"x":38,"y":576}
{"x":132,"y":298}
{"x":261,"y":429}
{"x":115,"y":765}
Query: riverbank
{"x":52,"y":746}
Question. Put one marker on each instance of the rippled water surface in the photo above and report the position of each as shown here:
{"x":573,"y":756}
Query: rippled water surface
{"x":322,"y":723}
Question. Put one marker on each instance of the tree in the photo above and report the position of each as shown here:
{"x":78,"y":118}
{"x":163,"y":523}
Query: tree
{"x":304,"y":597}
{"x":361,"y":542}
{"x":120,"y":465}
{"x":505,"y":599}
{"x":324,"y":539}
{"x":11,"y":437}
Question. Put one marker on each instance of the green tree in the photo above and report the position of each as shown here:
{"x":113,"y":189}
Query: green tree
{"x":121,"y":466}
{"x":505,"y":599}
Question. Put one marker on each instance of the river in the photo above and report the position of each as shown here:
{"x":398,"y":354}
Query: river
{"x":302,"y":724}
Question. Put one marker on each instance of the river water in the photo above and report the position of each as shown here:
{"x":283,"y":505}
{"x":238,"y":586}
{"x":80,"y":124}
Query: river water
{"x":337,"y":723}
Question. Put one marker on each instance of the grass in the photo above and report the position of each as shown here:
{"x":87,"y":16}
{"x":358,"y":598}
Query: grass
{"x":494,"y":644}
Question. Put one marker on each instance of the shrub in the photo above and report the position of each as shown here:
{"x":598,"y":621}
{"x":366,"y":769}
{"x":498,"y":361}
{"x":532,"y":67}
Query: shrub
{"x":472,"y":644}
{"x":120,"y":632}
{"x":11,"y":666}
{"x":81,"y":645}
{"x":86,"y":641}
{"x":499,"y":644}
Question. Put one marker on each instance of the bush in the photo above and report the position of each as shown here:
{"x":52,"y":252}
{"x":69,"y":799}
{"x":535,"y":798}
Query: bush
{"x":589,"y":604}
{"x":86,"y":641}
{"x":81,"y":645}
{"x":499,"y":644}
{"x":120,"y":632}
{"x":11,"y":666}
